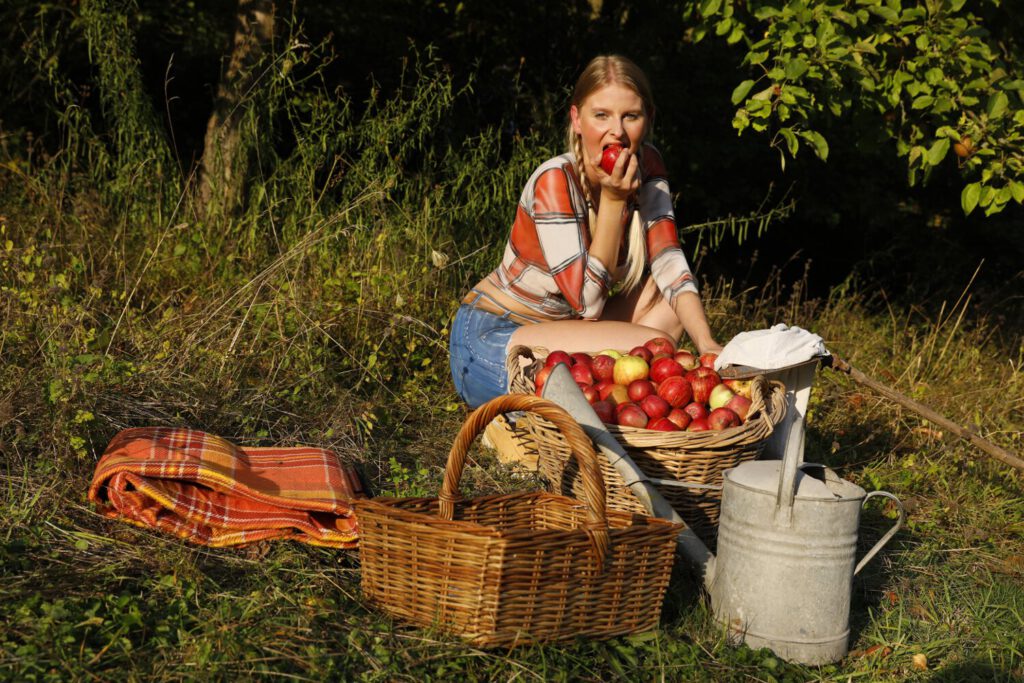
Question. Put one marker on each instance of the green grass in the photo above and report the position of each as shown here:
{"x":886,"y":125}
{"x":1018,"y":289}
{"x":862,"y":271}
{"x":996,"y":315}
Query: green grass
{"x":318,"y":315}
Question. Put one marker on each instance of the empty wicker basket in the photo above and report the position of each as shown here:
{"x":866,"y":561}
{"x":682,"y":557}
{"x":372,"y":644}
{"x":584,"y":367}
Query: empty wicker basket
{"x":686,"y":467}
{"x":517,"y":568}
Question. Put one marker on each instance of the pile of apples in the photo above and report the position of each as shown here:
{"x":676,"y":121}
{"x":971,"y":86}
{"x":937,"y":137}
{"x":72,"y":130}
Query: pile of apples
{"x":655,"y":386}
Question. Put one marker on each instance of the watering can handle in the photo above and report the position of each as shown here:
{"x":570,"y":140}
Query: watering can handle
{"x":889,"y":534}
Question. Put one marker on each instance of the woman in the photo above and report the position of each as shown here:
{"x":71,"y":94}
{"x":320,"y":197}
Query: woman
{"x":593,"y":260}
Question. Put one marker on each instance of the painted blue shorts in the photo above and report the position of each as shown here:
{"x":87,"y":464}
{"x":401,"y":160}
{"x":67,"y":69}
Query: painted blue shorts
{"x":478,"y":350}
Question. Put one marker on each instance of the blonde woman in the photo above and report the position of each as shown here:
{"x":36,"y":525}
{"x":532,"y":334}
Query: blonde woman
{"x":579,"y":234}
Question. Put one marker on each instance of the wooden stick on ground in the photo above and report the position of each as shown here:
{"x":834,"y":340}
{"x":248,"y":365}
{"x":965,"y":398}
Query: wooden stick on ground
{"x":924,"y":411}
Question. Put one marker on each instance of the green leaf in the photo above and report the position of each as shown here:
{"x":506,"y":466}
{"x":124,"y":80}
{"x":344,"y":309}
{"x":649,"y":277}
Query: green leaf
{"x":922,"y":102}
{"x":796,"y":68}
{"x":741,"y":90}
{"x":791,"y":142}
{"x":937,"y":152}
{"x":1017,"y":190}
{"x":969,"y":197}
{"x":890,"y":15}
{"x":997,"y":105}
{"x":709,"y":7}
{"x":819,"y":143}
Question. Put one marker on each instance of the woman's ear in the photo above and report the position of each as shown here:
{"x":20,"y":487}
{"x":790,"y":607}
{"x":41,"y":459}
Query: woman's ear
{"x":574,"y":116}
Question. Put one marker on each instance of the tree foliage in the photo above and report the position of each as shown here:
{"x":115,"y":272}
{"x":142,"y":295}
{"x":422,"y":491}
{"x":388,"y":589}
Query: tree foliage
{"x":940,"y":83}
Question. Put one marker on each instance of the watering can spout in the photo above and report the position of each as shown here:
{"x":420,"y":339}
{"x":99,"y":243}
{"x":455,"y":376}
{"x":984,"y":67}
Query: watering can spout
{"x":561,"y":389}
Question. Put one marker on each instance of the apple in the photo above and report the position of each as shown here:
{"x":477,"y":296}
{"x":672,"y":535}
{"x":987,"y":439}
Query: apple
{"x":603,"y":387}
{"x":663,"y":368}
{"x":663,"y":424}
{"x":739,"y":405}
{"x":642,"y":352}
{"x":702,"y":387}
{"x":699,"y":425}
{"x":708,"y":360}
{"x":617,"y":395}
{"x":582,"y":374}
{"x":541,"y":377}
{"x":660,"y":345}
{"x":589,"y":392}
{"x":719,"y":396}
{"x":695,"y":410}
{"x":609,"y":156}
{"x":723,"y":418}
{"x":602,"y":366}
{"x":686,"y":359}
{"x":611,"y":352}
{"x":679,"y":417}
{"x":629,"y":368}
{"x":558,"y":357}
{"x":739,"y":386}
{"x":580,"y":358}
{"x":605,"y":411}
{"x":631,"y":415}
{"x":701,"y":371}
{"x":655,"y":406}
{"x":639,"y":389}
{"x":676,"y":391}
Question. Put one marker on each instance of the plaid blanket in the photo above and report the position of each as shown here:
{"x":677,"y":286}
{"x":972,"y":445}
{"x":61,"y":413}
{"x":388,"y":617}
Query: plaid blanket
{"x":205,"y":489}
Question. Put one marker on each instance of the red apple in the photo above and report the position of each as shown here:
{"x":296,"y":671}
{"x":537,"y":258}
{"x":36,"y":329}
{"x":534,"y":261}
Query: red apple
{"x":639,"y":389}
{"x":663,"y":424}
{"x":642,"y":352}
{"x":702,"y":387}
{"x":660,"y":345}
{"x":589,"y":392}
{"x":541,"y":377}
{"x":739,"y":405}
{"x":699,"y":425}
{"x":609,"y":156}
{"x":631,"y":415}
{"x":580,"y":358}
{"x":603,"y":387}
{"x":701,"y":371}
{"x":629,"y":368}
{"x":723,"y":418}
{"x":663,"y":368}
{"x":659,"y":356}
{"x":720,"y":395}
{"x":696,"y":411}
{"x":582,"y":374}
{"x":602,"y":367}
{"x":605,"y":411}
{"x":558,"y":357}
{"x":655,"y":406}
{"x":676,"y":391}
{"x":686,"y":359}
{"x":708,"y":360}
{"x":679,"y":417}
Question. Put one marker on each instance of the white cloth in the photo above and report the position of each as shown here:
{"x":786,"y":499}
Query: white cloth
{"x":771,"y":349}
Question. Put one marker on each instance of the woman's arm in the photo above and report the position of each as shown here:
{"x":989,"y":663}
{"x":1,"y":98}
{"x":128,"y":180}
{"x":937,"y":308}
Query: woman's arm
{"x":690,"y":311}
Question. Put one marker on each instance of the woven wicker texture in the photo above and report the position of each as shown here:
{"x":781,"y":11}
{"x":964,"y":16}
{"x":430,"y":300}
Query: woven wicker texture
{"x":517,"y":568}
{"x":697,"y":458}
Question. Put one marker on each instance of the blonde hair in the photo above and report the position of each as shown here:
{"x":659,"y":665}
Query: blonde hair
{"x":601,"y":71}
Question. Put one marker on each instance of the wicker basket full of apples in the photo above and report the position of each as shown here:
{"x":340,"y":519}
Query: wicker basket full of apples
{"x":677,"y":418}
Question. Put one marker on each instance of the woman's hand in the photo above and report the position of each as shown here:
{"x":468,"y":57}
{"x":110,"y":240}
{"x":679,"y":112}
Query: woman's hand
{"x":623,"y":181}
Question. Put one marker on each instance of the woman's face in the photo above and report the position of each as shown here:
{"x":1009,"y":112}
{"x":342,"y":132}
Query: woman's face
{"x":611,"y":115}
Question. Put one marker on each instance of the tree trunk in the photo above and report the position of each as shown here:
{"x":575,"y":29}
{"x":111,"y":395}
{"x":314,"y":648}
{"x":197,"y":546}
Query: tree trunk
{"x":222,"y":173}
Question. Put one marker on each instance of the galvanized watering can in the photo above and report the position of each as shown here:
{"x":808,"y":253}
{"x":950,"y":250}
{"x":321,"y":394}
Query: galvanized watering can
{"x":787,"y":542}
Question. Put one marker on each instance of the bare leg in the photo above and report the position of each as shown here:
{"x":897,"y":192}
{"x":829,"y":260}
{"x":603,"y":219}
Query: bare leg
{"x":645,"y":306}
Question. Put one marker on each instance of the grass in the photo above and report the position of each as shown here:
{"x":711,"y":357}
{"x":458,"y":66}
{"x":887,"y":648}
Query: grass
{"x":318,"y":315}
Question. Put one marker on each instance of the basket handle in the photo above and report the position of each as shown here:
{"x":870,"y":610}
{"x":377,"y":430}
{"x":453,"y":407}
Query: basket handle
{"x":766,"y":395}
{"x":596,"y":525}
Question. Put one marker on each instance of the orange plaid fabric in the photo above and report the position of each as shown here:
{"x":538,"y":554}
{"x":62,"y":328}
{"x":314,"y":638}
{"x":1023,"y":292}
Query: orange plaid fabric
{"x":205,"y":489}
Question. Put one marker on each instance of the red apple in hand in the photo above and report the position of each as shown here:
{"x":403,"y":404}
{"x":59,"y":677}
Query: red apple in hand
{"x":609,"y":156}
{"x":558,"y":357}
{"x":663,"y":368}
{"x":696,"y":411}
{"x":676,"y":391}
{"x":660,"y":345}
{"x":723,"y":418}
{"x":655,"y":406}
{"x":639,"y":389}
{"x":602,"y":366}
{"x":679,"y":417}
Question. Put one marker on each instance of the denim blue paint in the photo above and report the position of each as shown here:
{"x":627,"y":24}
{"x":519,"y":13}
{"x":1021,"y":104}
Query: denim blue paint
{"x":478,"y":350}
